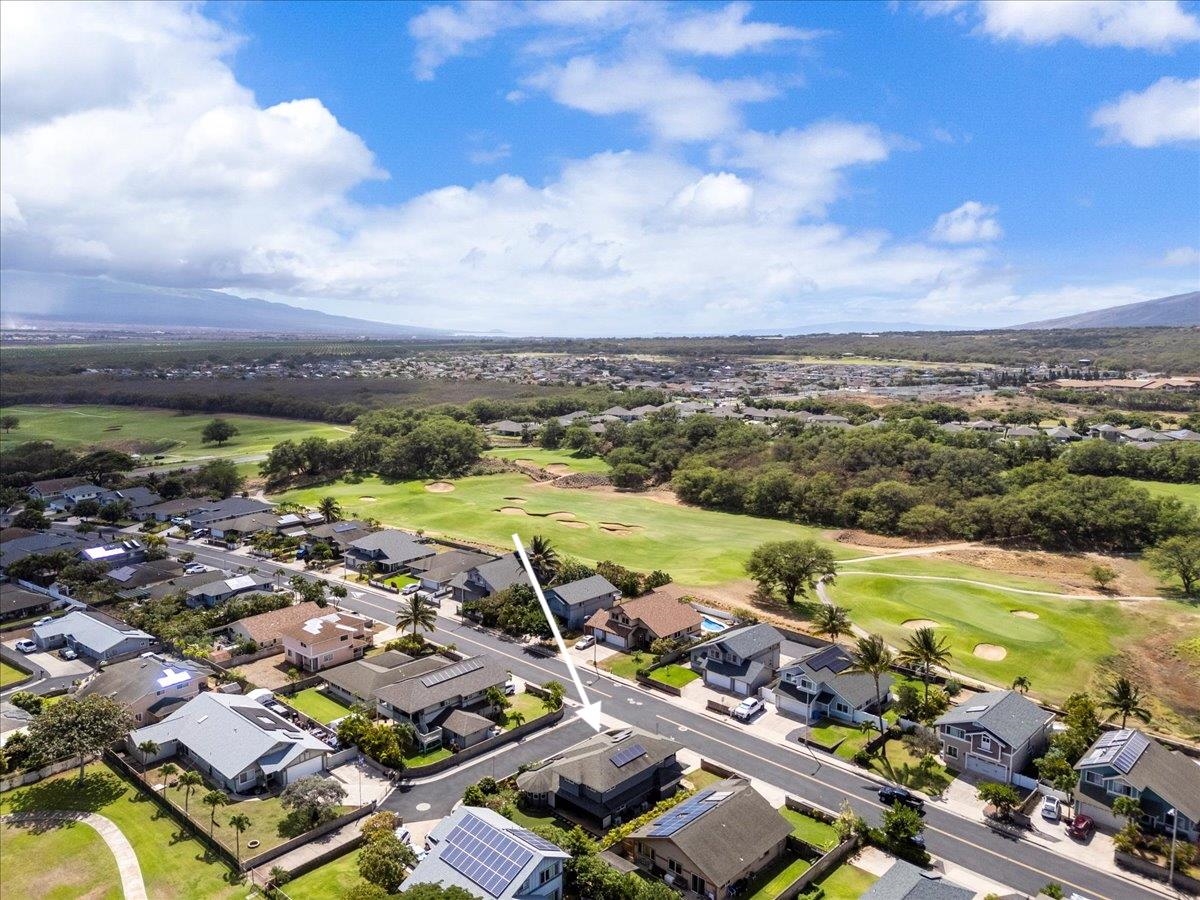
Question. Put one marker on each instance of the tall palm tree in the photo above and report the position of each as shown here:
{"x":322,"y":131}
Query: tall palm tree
{"x":189,"y":781}
{"x":924,"y":650}
{"x":873,"y":657}
{"x":1022,"y":683}
{"x":330,"y":509}
{"x":166,"y":772}
{"x":832,"y":621}
{"x":1125,"y":698}
{"x":213,"y":799}
{"x":544,"y":558}
{"x":416,"y":613}
{"x":147,"y":749}
{"x":240,"y":823}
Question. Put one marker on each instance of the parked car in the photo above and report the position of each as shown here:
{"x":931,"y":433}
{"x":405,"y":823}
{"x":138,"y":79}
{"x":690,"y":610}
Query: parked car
{"x":195,"y":568}
{"x":748,"y":708}
{"x":44,"y":620}
{"x":890,"y":796}
{"x":510,"y":685}
{"x":409,"y":589}
{"x":1081,"y":827}
{"x":67,"y":653}
{"x":1051,"y":811}
{"x":584,"y":642}
{"x":25,"y":645}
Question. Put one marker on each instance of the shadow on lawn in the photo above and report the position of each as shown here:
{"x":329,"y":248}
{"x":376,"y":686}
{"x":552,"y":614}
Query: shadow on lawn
{"x":96,"y":790}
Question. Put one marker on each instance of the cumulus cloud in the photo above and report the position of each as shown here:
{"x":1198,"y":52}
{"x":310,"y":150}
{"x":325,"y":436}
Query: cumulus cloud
{"x":725,"y":32}
{"x":971,"y":223}
{"x":1167,"y":112}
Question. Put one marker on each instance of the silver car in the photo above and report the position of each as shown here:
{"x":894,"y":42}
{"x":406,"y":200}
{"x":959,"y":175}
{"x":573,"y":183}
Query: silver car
{"x":1051,"y":811}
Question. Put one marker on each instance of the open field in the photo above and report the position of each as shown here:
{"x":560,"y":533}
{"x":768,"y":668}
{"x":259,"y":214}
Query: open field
{"x":62,"y":863}
{"x":548,"y":458}
{"x":151,"y":431}
{"x":1188,"y":493}
{"x":939,"y":567}
{"x":696,"y":546}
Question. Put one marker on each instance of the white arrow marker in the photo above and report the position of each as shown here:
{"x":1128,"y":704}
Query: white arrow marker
{"x":589,"y":712}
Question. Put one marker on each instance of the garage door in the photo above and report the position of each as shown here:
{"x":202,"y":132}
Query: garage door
{"x":992,"y":770}
{"x":720,"y":682}
{"x":791,"y":705}
{"x":309,"y":767}
{"x":612,"y":640}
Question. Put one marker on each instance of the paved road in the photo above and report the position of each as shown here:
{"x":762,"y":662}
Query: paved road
{"x":972,"y":845}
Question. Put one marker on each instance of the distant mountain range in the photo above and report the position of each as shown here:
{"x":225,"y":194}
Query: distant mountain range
{"x":1165,"y":312}
{"x":48,"y":301}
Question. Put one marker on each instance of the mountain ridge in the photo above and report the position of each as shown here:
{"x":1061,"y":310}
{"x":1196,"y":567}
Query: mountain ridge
{"x":1178,"y":310}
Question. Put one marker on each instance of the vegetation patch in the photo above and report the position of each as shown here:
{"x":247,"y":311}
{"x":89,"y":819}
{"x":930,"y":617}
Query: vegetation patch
{"x":61,"y":862}
{"x":771,"y":882}
{"x":674,"y":675}
{"x":812,"y":831}
{"x":316,"y":704}
{"x":10,"y":674}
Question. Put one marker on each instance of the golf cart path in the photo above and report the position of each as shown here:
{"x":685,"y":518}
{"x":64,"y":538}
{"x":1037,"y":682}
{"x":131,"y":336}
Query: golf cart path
{"x":132,"y":886}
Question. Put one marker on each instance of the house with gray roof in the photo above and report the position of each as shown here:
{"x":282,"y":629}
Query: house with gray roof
{"x":1127,"y":763}
{"x":388,"y":550}
{"x":219,"y":590}
{"x":437,"y":571}
{"x":115,"y":555}
{"x":18,"y":603}
{"x":713,"y":843}
{"x":488,"y":578}
{"x":152,"y":685}
{"x":39,"y":544}
{"x":219,"y":511}
{"x":995,"y":735}
{"x":613,"y":776}
{"x":338,"y":535}
{"x":491,"y":857}
{"x":429,"y":689}
{"x":234,"y":741}
{"x":48,"y":489}
{"x":578,"y":601}
{"x":821,"y":684}
{"x":139,"y":498}
{"x":143,"y":574}
{"x":740,"y":660}
{"x":92,"y":634}
{"x":904,"y":881}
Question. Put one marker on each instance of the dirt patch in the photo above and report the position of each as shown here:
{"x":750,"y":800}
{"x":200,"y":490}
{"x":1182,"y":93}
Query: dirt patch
{"x":920,"y":623}
{"x":1069,"y":571}
{"x":369,"y":499}
{"x":439,"y":487}
{"x":990,"y":652}
{"x":558,"y":469}
{"x":1167,"y":668}
{"x":568,"y":523}
{"x":511,"y":511}
{"x":1025,"y":614}
{"x":868,"y":541}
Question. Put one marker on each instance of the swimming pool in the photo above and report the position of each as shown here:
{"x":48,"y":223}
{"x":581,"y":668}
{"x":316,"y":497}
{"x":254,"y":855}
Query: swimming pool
{"x":711,"y":625}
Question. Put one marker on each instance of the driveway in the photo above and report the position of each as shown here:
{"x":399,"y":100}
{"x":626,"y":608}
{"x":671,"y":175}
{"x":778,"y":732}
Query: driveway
{"x":362,"y":783}
{"x":55,"y":667}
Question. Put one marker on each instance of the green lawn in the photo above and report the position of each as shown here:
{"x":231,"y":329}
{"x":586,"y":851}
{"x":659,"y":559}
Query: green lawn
{"x":59,"y":864}
{"x":1188,"y":493}
{"x":424,"y":759}
{"x":174,"y":866}
{"x":625,"y":665}
{"x":900,"y":765}
{"x":701,"y":779}
{"x":400,"y":581}
{"x":155,"y":430}
{"x":544,"y":458}
{"x":771,"y":882}
{"x":944,"y":568}
{"x":317,"y":705}
{"x":810,"y":830}
{"x":528,"y":705}
{"x":848,"y":738}
{"x":333,"y":879}
{"x":10,"y":674}
{"x":696,"y":546}
{"x":674,"y":675}
{"x":846,"y":883}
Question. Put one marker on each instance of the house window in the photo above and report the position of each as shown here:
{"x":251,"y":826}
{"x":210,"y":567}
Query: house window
{"x":1093,"y":778}
{"x":957,"y":733}
{"x":952,"y":753}
{"x":545,"y":875}
{"x":675,"y":867}
{"x":985,"y":744}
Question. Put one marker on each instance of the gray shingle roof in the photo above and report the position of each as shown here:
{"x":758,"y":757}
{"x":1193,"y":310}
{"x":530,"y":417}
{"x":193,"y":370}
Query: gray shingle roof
{"x":830,"y":666}
{"x":230,"y":508}
{"x":397,"y":547}
{"x":589,"y":763}
{"x":904,"y":881}
{"x":97,"y":632}
{"x":1171,"y":775}
{"x":363,"y":677}
{"x":413,"y":694}
{"x":444,"y":566}
{"x":1010,"y":716}
{"x":133,"y":679}
{"x":14,"y":599}
{"x":584,"y":589}
{"x":502,"y":573}
{"x":747,"y":640}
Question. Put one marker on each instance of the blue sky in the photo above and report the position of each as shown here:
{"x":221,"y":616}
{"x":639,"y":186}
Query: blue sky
{"x":617,"y":168}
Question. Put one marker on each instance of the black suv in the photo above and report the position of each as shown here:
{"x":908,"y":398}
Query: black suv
{"x":890,"y":796}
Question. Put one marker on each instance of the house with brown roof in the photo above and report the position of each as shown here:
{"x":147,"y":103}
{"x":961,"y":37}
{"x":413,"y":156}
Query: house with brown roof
{"x":641,"y":621}
{"x":327,"y":639}
{"x":267,"y":629}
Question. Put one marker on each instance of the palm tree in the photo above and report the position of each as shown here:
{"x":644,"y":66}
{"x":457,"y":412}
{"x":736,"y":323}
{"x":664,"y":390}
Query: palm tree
{"x":416,"y":613}
{"x":873,"y":657}
{"x":832,"y":621}
{"x":516,"y":718}
{"x":1125,"y":698}
{"x":189,"y":781}
{"x":147,"y":749}
{"x":330,"y":509}
{"x":166,"y":772}
{"x":213,"y":799}
{"x":924,"y":650}
{"x":240,"y":823}
{"x":1022,"y":683}
{"x":544,"y":558}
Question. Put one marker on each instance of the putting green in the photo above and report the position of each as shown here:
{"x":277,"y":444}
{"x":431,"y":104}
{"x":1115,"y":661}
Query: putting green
{"x":536,"y":456}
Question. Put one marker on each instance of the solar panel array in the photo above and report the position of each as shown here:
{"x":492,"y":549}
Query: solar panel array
{"x":1134,"y":747}
{"x":533,"y":840}
{"x":627,"y":755}
{"x":484,"y":854}
{"x":687,"y":812}
{"x":459,"y":668}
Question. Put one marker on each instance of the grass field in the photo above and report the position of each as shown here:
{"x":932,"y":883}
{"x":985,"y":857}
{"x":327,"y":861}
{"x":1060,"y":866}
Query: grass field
{"x":539,"y":457}
{"x":809,"y":830}
{"x":10,"y":674}
{"x":696,"y":546}
{"x":846,"y":883}
{"x":771,"y":882}
{"x":333,"y":879}
{"x":944,"y":568}
{"x":528,"y":706}
{"x":898,"y":764}
{"x":155,"y":430}
{"x":625,"y":665}
{"x":317,"y":705}
{"x":1188,"y":493}
{"x":59,"y":864}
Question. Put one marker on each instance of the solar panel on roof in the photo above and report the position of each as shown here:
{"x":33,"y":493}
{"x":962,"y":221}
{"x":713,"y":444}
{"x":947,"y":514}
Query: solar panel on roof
{"x":459,"y":668}
{"x":627,"y":755}
{"x":533,"y":840}
{"x":484,"y":854}
{"x":344,"y":526}
{"x":687,"y":812}
{"x":1134,"y":747}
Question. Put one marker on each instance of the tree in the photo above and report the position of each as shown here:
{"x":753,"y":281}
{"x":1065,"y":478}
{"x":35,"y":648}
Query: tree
{"x":212,"y":800}
{"x":30,"y":518}
{"x":544,"y":558}
{"x":1123,"y":697}
{"x":1178,"y":557}
{"x":900,"y":825}
{"x":310,"y":590}
{"x":1003,"y":797}
{"x":240,"y":822}
{"x":147,"y":749}
{"x":1102,"y":575}
{"x":30,"y":702}
{"x":556,"y":692}
{"x":415,"y":613}
{"x":379,"y":823}
{"x":923,"y":650}
{"x":218,"y":431}
{"x":219,"y":476}
{"x":791,"y":566}
{"x":832,"y":621}
{"x":80,"y":727}
{"x":1022,"y":684}
{"x":330,"y":509}
{"x":426,"y":891}
{"x":8,"y":423}
{"x":189,"y":781}
{"x":384,"y":860}
{"x":167,"y":770}
{"x":313,"y":797}
{"x":873,"y":657}
{"x":630,"y":476}
{"x":85,"y":509}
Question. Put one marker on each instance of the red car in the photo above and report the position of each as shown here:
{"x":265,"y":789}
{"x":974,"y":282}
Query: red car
{"x":1081,"y":827}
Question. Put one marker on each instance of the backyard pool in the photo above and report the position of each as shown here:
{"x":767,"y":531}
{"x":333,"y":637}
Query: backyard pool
{"x":711,"y":625}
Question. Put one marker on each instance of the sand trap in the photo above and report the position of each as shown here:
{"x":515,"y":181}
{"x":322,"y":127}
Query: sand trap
{"x":512,"y":511}
{"x":920,"y":623}
{"x":515,"y":499}
{"x":560,"y":516}
{"x":369,"y":499}
{"x":572,"y":524}
{"x":439,"y":487}
{"x":990,"y":652}
{"x":1025,"y":614}
{"x":558,"y":469}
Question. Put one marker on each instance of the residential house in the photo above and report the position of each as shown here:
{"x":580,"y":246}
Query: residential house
{"x":234,"y":741}
{"x":578,"y":601}
{"x":92,"y":634}
{"x":488,"y":856}
{"x":266,"y":630}
{"x":233,"y":531}
{"x":18,"y":603}
{"x":904,"y":881}
{"x":180,"y":508}
{"x":144,"y":574}
{"x":327,"y":639}
{"x":49,"y":489}
{"x":638,"y":623}
{"x":1105,"y":432}
{"x":610,"y":778}
{"x":139,"y":498}
{"x":181,"y":584}
{"x":434,"y":686}
{"x":357,"y":683}
{"x":152,"y":685}
{"x":995,"y":735}
{"x":1127,"y":763}
{"x":821,"y":684}
{"x":39,"y":544}
{"x":740,"y":660}
{"x":76,"y":494}
{"x":337,"y":535}
{"x":509,"y":428}
{"x":1063,"y":433}
{"x":219,"y":511}
{"x":437,"y":571}
{"x":218,"y":591}
{"x":296,"y":525}
{"x":488,"y":578}
{"x":115,"y":555}
{"x":713,"y":843}
{"x":387,"y":550}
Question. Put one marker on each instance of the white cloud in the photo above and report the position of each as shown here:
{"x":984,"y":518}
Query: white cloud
{"x":488,"y":155}
{"x":1181,"y":256}
{"x":725,"y":32}
{"x":1167,"y":112}
{"x":971,"y":223}
{"x":717,"y":197}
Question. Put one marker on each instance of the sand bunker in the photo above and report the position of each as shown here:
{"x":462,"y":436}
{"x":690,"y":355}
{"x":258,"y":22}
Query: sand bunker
{"x":558,"y":469}
{"x":512,"y":511}
{"x":617,"y":527}
{"x":1025,"y":614}
{"x":515,"y":499}
{"x":920,"y":623}
{"x":990,"y":652}
{"x":368,"y":499}
{"x":439,"y":487}
{"x":559,"y":516}
{"x":568,"y":523}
